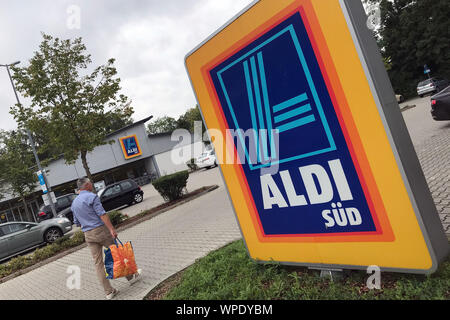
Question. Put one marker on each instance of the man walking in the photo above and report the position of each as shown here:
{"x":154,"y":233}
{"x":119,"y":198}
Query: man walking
{"x":99,"y":232}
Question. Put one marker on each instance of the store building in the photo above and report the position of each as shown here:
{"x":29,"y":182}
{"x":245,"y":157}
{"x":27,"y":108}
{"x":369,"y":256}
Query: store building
{"x":132,"y":154}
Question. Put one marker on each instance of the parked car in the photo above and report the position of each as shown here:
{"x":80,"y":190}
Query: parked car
{"x":62,"y":203}
{"x":207,"y":159}
{"x":121,"y":193}
{"x":432,"y":85}
{"x":18,"y":237}
{"x":440,"y":105}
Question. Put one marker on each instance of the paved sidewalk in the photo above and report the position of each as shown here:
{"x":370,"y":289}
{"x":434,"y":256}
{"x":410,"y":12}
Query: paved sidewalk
{"x":434,"y":157}
{"x":431,"y":140}
{"x":163,"y":246}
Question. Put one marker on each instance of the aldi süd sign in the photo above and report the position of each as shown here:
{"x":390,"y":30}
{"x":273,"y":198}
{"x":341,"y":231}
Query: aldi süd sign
{"x":130,"y":146}
{"x":316,"y":173}
{"x":299,"y":88}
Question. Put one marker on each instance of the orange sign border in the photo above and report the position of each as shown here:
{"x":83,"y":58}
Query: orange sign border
{"x":383,"y":229}
{"x":124,"y":149}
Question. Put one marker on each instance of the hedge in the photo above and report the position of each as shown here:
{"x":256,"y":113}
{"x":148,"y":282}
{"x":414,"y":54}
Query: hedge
{"x":171,"y":187}
{"x":116,"y":217}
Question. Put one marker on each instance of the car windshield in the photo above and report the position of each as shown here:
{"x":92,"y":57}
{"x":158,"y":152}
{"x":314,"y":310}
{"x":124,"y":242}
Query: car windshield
{"x":446,"y":90}
{"x":100,"y":192}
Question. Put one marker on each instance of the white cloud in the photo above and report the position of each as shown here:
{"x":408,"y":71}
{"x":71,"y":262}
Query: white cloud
{"x":152,"y":50}
{"x":149,"y":40}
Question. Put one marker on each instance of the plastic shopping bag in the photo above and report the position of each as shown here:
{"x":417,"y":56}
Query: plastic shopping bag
{"x":119,"y":260}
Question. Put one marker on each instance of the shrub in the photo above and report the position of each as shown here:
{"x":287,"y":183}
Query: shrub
{"x":192,"y":165}
{"x":78,"y":237}
{"x":4,"y":271}
{"x":61,"y":240}
{"x":18,"y":263}
{"x":116,"y":217}
{"x":171,"y":187}
{"x":45,"y":252}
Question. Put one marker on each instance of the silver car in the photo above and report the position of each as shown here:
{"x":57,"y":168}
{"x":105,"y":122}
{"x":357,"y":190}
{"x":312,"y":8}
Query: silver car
{"x":432,"y":85}
{"x":18,"y":237}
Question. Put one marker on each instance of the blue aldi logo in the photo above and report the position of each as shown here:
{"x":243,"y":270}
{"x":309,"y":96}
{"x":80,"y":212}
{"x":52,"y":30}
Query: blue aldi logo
{"x":274,"y":85}
{"x":130,"y":147}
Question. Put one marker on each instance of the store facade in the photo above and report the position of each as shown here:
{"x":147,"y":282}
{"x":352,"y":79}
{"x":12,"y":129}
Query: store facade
{"x":130,"y":153}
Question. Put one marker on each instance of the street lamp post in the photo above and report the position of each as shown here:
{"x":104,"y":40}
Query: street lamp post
{"x":52,"y":205}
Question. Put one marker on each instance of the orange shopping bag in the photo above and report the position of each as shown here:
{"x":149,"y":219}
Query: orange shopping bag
{"x":119,"y":260}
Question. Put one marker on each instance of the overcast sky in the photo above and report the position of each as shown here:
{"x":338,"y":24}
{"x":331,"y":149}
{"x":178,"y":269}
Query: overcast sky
{"x":148,"y":39}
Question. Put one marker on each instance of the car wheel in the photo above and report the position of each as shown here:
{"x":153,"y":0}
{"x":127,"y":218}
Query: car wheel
{"x":52,"y":234}
{"x":421,"y":95}
{"x":138,"y":198}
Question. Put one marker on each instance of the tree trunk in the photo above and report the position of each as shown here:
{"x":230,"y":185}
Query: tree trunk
{"x":27,"y":212}
{"x":85,"y":166}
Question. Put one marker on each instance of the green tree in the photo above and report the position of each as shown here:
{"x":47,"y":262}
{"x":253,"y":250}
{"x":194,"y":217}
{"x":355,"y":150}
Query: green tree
{"x":116,"y":121}
{"x":414,"y":33}
{"x":16,"y":161}
{"x":162,"y":124}
{"x":71,"y":109}
{"x":187,"y":120}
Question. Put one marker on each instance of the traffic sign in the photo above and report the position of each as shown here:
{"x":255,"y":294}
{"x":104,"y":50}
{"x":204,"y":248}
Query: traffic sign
{"x":45,"y":198}
{"x":300,"y":89}
{"x":42,"y":181}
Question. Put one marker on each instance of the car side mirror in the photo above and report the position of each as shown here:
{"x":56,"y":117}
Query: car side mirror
{"x":28,"y":226}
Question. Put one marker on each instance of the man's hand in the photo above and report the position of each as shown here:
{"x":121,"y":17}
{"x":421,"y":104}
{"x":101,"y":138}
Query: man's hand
{"x":113,"y":233}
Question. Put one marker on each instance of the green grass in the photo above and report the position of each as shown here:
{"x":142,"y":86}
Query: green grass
{"x":229,"y":273}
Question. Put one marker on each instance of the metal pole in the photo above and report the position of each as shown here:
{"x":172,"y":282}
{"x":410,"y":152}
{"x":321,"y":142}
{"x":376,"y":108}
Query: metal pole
{"x":52,"y":205}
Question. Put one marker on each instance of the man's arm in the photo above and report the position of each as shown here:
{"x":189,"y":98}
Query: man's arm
{"x":97,"y":205}
{"x":75,"y":221}
{"x":109,"y":225}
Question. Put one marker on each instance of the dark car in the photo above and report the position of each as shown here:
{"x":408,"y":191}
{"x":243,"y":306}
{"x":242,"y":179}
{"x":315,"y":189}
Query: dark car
{"x":440,"y":105}
{"x":62,"y":203}
{"x":121,"y":193}
{"x":432,"y":85}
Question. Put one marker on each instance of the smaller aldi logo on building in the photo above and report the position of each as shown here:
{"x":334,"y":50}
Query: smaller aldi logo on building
{"x":130,"y":146}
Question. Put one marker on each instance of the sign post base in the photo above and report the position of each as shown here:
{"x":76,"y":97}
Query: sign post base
{"x":333,"y":274}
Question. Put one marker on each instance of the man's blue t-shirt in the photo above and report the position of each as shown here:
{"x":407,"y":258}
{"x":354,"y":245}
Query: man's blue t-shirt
{"x":87,"y":209}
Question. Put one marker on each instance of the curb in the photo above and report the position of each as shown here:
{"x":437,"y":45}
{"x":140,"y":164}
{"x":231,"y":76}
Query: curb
{"x":81,"y":246}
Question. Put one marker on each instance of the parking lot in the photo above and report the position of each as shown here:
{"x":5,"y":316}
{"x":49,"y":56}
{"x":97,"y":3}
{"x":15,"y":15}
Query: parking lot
{"x":431,"y":141}
{"x":421,"y":125}
{"x":198,"y":179}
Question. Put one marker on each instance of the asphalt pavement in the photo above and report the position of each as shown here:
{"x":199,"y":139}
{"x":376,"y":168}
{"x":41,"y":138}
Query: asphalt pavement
{"x":431,"y":140}
{"x":421,"y":125}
